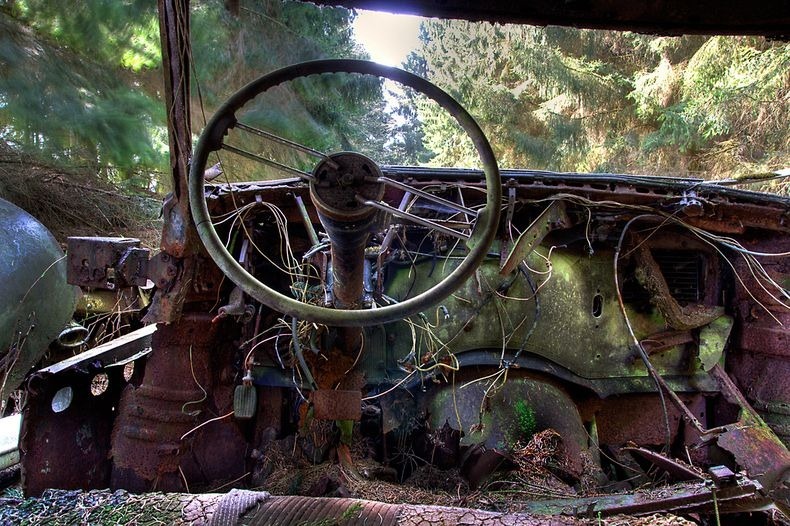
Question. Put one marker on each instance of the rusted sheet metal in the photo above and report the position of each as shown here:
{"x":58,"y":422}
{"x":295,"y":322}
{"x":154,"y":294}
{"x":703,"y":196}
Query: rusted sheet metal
{"x":168,"y":301}
{"x":770,"y":398}
{"x":179,"y":237}
{"x":763,"y":339}
{"x":645,"y":419}
{"x":771,"y":340}
{"x":146,"y":442}
{"x":333,"y":404}
{"x":114,"y":263}
{"x":95,"y":262}
{"x":755,"y":447}
{"x":68,"y":449}
{"x":734,"y":209}
{"x":759,"y":451}
{"x":679,"y":317}
{"x":178,"y":233}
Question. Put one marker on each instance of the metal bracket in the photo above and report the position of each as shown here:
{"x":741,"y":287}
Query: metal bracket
{"x":551,"y":218}
{"x":113,"y":263}
{"x":105,"y":262}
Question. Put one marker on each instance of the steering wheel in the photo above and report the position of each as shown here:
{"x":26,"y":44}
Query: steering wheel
{"x":330,"y":186}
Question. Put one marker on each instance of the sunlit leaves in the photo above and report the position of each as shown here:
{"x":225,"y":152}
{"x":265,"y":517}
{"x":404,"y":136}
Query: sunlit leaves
{"x":567,"y":99}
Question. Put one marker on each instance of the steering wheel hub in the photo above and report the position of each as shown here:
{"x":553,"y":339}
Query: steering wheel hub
{"x":341,"y":184}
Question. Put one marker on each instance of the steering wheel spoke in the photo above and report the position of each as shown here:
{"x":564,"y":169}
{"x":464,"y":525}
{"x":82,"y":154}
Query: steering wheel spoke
{"x":268,"y":162}
{"x":442,"y":227}
{"x":427,"y":195}
{"x":285,"y":142}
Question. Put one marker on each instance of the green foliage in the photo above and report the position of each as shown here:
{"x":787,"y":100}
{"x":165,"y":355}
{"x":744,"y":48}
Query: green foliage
{"x":529,"y":92}
{"x":82,"y":83}
{"x":328,"y":112}
{"x":61,"y":92}
{"x":584,"y":100}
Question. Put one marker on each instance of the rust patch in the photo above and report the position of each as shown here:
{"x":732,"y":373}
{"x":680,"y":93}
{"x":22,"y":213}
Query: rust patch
{"x":96,"y":262}
{"x":146,"y":442}
{"x":68,"y":449}
{"x":644,"y":417}
{"x":330,"y":404}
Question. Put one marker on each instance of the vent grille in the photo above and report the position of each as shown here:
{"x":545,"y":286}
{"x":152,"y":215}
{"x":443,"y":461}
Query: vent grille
{"x":683,"y":272}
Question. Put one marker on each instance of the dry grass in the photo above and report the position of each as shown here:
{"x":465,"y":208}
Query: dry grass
{"x":77,"y":202}
{"x":510,"y":492}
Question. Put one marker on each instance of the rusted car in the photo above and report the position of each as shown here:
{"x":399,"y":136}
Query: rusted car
{"x":439,"y":316}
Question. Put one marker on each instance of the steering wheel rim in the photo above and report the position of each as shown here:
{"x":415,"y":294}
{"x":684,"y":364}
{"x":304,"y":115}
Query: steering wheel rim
{"x":211,"y":140}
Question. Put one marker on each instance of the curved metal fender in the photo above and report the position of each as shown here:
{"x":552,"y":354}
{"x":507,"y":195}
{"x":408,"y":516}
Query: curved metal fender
{"x":35,"y":300}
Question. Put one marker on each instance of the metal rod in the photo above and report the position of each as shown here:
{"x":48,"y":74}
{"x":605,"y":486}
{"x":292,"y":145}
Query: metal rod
{"x":411,"y":217}
{"x":385,"y":244}
{"x":308,"y":223}
{"x":426,"y":195}
{"x":285,"y":142}
{"x":268,"y":162}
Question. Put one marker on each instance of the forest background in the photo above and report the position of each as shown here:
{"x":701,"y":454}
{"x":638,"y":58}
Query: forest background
{"x":83,"y":140}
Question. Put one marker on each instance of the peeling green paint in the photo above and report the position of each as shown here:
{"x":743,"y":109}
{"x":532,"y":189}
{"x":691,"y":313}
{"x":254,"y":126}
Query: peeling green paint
{"x":591,"y":341}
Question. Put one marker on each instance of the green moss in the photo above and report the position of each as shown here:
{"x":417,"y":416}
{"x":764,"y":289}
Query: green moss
{"x":352,"y":512}
{"x":349,"y":514}
{"x":525,"y":417}
{"x":346,"y":431}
